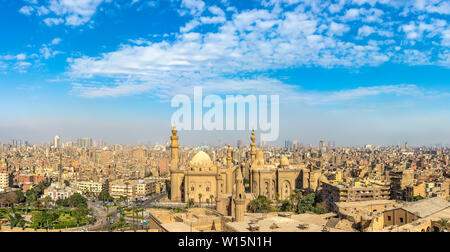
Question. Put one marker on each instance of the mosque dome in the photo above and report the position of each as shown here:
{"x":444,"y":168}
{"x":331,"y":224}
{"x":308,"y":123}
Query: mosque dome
{"x":284,"y":161}
{"x":201,"y":158}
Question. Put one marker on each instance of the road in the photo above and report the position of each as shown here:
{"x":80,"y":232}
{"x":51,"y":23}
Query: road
{"x":149,"y":203}
{"x":100,"y":212}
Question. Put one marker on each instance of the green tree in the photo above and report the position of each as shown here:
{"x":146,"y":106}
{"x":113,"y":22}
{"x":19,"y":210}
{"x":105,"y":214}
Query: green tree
{"x":15,"y":219}
{"x":20,"y":196}
{"x":78,"y":201}
{"x":259,"y":205}
{"x":44,"y":219}
{"x":190,"y":203}
{"x":104,"y":196}
{"x":66,"y":182}
{"x":286,"y":206}
{"x":306,"y":204}
{"x":444,"y":224}
{"x":295,"y":197}
{"x":417,"y":198}
{"x":200,"y":199}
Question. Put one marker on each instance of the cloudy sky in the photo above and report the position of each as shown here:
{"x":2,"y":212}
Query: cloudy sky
{"x":350,"y":71}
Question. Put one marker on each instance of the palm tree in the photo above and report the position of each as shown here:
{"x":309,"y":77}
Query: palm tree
{"x":211,"y":197}
{"x":200,"y":199}
{"x":444,"y":223}
{"x":127,"y":183}
{"x":295,"y":198}
{"x":47,"y":201}
{"x":134,"y":218}
{"x":108,"y":218}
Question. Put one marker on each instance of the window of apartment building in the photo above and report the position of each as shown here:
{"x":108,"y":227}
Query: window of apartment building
{"x":401,"y":219}
{"x":389,"y":218}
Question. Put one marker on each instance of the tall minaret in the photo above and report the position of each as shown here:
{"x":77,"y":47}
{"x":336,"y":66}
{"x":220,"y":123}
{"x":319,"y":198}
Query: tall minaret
{"x":239,"y":197}
{"x":229,"y":185}
{"x":252,"y":147}
{"x":218,"y":180}
{"x":174,"y":150}
{"x":175,"y":180}
{"x":252,"y":158}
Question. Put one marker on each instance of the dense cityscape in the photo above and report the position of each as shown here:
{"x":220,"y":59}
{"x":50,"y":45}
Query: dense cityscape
{"x":93,"y":186}
{"x":224,"y":123}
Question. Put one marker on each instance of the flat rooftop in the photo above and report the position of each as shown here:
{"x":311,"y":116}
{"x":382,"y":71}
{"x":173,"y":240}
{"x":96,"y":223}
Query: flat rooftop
{"x":272,"y":222}
{"x":364,"y":203}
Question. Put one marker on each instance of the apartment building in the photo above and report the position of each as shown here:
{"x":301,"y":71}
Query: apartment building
{"x":4,"y":181}
{"x":90,"y":187}
{"x":340,"y":192}
{"x":120,"y":188}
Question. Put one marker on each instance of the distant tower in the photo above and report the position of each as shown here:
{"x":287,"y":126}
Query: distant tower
{"x":252,"y":147}
{"x":174,"y":150}
{"x":229,"y":185}
{"x":321,"y":144}
{"x":57,"y":142}
{"x":406,"y":146}
{"x":175,"y":178}
{"x":239,"y":197}
{"x":60,"y":170}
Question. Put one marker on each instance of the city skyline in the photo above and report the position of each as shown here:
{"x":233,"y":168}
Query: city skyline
{"x":355,"y":72}
{"x":57,"y":142}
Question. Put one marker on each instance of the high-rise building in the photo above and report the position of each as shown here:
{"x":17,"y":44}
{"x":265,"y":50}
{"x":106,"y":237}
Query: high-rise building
{"x":321,"y":144}
{"x":288,"y":144}
{"x":57,"y":142}
{"x":85,"y":142}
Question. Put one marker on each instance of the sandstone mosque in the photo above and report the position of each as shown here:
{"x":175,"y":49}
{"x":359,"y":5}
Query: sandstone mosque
{"x":203,"y":180}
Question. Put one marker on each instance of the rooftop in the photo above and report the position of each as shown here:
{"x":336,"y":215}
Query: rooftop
{"x":426,"y":207}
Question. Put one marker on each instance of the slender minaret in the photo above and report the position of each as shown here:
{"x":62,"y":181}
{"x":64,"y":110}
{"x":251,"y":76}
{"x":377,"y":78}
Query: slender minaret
{"x":229,"y":185}
{"x":218,"y":180}
{"x":174,"y":150}
{"x":175,"y":192}
{"x":239,"y":197}
{"x":252,"y":147}
{"x":252,"y":158}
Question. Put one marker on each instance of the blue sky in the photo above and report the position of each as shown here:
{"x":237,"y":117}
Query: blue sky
{"x":350,"y":71}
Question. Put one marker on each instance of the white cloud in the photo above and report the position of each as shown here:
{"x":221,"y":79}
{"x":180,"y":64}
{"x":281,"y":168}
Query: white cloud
{"x":365,"y":31}
{"x":351,"y":14}
{"x":26,"y":10}
{"x":316,"y":98}
{"x":446,"y":38}
{"x":53,"y":21}
{"x":189,"y":26}
{"x":21,"y":56}
{"x":195,"y":7}
{"x":338,"y":29}
{"x":56,"y":41}
{"x":256,"y":40}
{"x":70,"y":12}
